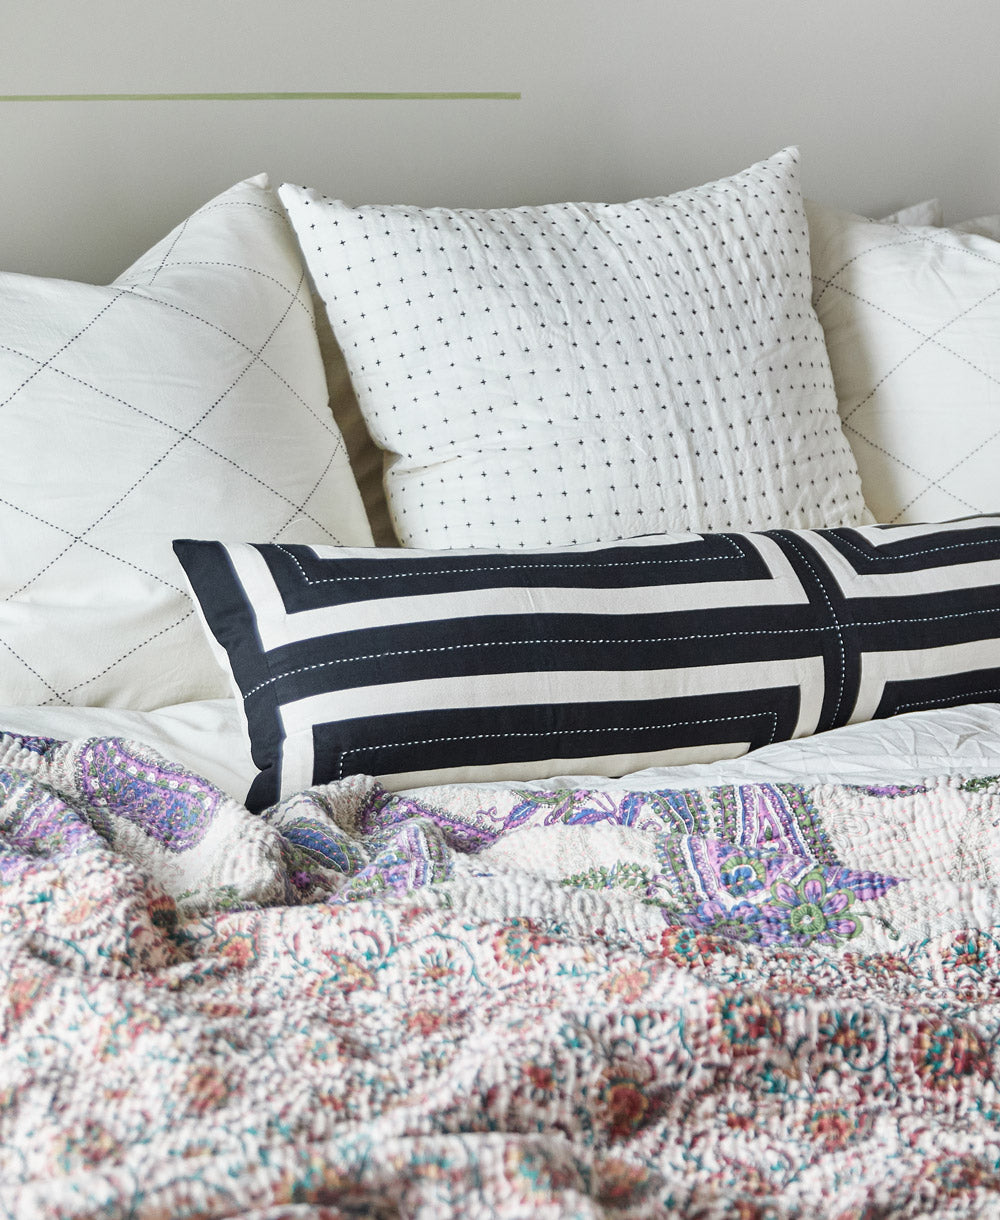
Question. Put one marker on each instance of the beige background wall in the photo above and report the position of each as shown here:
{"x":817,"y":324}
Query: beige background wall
{"x":889,"y":101}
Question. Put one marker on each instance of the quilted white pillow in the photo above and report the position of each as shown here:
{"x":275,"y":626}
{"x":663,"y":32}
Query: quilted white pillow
{"x":912,"y":320}
{"x":582,"y":372}
{"x":191,"y":390}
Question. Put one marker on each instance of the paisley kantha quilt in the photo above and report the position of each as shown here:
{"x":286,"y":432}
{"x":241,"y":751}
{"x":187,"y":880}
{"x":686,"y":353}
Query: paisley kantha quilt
{"x":767,"y":1000}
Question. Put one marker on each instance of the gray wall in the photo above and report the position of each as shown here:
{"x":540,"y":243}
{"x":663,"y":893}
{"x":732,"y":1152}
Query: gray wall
{"x":889,"y":100}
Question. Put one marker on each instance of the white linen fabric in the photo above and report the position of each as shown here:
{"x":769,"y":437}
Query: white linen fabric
{"x":906,"y":748}
{"x":983,"y":226}
{"x":588,"y":372}
{"x":927,"y":212}
{"x":208,"y":737}
{"x":911,"y":316}
{"x":190,"y":390}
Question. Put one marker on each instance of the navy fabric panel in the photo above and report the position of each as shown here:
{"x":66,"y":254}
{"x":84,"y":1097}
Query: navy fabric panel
{"x":486,"y":737}
{"x":948,"y":690}
{"x":308,"y":582}
{"x":944,"y":548}
{"x":841,"y":661}
{"x":536,"y":643}
{"x":233,"y":623}
{"x":927,"y":620}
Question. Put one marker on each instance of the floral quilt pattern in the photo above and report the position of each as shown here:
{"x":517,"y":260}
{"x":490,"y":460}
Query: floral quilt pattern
{"x":758,"y":1001}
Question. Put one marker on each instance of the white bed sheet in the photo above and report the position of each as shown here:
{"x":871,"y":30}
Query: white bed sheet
{"x":208,"y":738}
{"x":913,"y":746}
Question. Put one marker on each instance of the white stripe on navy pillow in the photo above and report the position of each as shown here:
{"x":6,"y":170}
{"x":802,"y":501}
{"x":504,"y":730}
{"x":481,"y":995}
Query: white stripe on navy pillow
{"x":430,"y":667}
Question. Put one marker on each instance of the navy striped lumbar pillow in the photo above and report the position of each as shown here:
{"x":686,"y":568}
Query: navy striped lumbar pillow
{"x":422,"y":667}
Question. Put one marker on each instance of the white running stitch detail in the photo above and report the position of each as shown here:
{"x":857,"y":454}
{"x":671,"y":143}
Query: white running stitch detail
{"x":833,"y":614}
{"x":519,"y":567}
{"x":673,"y":724}
{"x":929,"y":550}
{"x":969,"y":694}
{"x":665,"y":639}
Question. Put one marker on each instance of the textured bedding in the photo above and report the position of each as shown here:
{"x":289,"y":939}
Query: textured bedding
{"x":208,"y":738}
{"x":760,"y":999}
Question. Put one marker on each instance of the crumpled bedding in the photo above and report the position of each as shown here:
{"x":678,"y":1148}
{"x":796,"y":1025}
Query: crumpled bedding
{"x":760,"y":999}
{"x":208,"y":737}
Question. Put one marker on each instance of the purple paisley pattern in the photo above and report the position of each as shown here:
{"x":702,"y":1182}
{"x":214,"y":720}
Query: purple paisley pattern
{"x":773,"y":878}
{"x":37,"y":745}
{"x":170,"y":803}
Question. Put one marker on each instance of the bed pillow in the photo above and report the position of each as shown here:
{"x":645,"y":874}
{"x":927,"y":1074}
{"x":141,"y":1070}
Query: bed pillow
{"x":927,"y":212}
{"x":912,"y":320}
{"x":431,"y":667}
{"x":187,"y":396}
{"x":983,"y":226}
{"x":586,"y":372}
{"x":365,"y":456}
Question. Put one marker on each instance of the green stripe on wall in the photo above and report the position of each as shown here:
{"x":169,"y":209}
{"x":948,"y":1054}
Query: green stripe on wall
{"x":258,"y":97}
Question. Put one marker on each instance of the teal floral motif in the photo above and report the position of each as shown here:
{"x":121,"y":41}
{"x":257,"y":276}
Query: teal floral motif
{"x":852,"y":1038}
{"x":972,"y":956}
{"x":518,"y":945}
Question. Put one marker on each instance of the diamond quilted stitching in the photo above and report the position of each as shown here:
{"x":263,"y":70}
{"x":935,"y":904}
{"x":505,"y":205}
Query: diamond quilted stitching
{"x":179,"y":438}
{"x":936,"y":489}
{"x":910,"y":315}
{"x":188,"y":398}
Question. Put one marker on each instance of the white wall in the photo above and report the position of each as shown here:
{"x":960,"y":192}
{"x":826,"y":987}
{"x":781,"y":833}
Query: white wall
{"x":889,"y":101}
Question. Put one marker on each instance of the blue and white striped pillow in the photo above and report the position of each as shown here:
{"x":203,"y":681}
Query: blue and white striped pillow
{"x":429,"y":667}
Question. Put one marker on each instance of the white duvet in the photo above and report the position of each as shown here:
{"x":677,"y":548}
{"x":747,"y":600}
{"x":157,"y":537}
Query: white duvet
{"x":208,"y":738}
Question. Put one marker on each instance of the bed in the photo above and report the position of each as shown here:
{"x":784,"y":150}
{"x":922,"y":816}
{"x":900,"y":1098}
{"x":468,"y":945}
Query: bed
{"x":501,"y":714}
